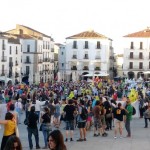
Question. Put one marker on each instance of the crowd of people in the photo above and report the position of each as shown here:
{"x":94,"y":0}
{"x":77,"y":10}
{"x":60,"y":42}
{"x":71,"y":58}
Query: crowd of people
{"x":79,"y":104}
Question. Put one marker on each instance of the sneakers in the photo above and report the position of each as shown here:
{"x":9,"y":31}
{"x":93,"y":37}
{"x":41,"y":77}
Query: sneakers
{"x":71,"y":139}
{"x":115,"y":137}
{"x":121,"y":137}
{"x":95,"y":135}
{"x":79,"y":140}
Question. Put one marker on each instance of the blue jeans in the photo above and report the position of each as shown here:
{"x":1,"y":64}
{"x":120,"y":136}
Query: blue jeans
{"x":36,"y":135}
{"x":45,"y":134}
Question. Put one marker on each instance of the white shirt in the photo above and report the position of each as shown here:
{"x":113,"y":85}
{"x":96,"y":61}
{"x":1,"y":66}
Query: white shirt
{"x":38,"y":105}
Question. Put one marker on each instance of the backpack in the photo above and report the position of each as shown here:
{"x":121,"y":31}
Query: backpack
{"x":84,"y":113}
{"x":134,"y":111}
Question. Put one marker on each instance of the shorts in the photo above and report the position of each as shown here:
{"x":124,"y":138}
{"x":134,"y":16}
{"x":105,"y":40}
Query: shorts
{"x":118,"y":124}
{"x":97,"y":123}
{"x":70,"y":125}
{"x":89,"y":118}
{"x":81,"y":124}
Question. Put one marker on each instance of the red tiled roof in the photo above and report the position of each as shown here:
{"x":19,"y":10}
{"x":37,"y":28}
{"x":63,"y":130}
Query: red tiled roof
{"x":140,"y":34}
{"x":87,"y":35}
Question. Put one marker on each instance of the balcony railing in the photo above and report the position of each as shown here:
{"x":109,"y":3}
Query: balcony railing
{"x":16,"y":63}
{"x":3,"y":47}
{"x":4,"y":59}
{"x":10,"y":64}
{"x":52,"y":49}
{"x":74,"y":57}
{"x":97,"y":68}
{"x":85,"y":68}
{"x":46,"y":60}
{"x":74,"y":68}
{"x":135,"y":57}
{"x":86,"y":57}
{"x":97,"y":57}
{"x":52,"y":60}
{"x":2,"y":74}
{"x":40,"y":61}
{"x":27,"y":61}
{"x":16,"y":74}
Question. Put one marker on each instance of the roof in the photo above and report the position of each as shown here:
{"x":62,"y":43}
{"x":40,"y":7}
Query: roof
{"x":88,"y":35}
{"x":140,"y":34}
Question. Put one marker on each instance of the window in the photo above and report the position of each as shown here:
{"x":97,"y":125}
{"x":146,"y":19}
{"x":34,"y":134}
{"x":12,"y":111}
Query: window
{"x":3,"y":69}
{"x":131,"y":65}
{"x":16,"y":50}
{"x":98,"y":45}
{"x":149,"y":55}
{"x":141,"y":45}
{"x":21,"y":48}
{"x":140,"y":65}
{"x":10,"y":52}
{"x":62,"y":64}
{"x":3,"y":45}
{"x":27,"y":70}
{"x":140,"y":55}
{"x":28,"y":48}
{"x":132,"y":45}
{"x":74,"y":44}
{"x":131,"y":54}
{"x":62,"y":53}
{"x":86,"y":45}
{"x":27,"y":59}
{"x":149,"y":65}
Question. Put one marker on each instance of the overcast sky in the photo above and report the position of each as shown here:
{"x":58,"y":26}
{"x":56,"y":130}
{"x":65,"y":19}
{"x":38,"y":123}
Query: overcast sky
{"x":63,"y":18}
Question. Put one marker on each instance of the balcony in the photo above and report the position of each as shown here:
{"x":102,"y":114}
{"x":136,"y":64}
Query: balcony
{"x":3,"y":47}
{"x":10,"y":64}
{"x":52,"y":60}
{"x":136,"y":57}
{"x":16,"y":63}
{"x":52,"y":49}
{"x":85,"y":68}
{"x":40,"y":61}
{"x":86,"y":57}
{"x":27,"y":61}
{"x":2,"y":74}
{"x":4,"y":59}
{"x":97,"y":68}
{"x":137,"y":68}
{"x":74,"y":68}
{"x":16,"y":74}
{"x":46,"y":60}
{"x":74,"y":57}
{"x":97,"y":57}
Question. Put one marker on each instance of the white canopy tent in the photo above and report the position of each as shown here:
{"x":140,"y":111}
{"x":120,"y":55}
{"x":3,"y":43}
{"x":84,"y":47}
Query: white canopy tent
{"x":5,"y":79}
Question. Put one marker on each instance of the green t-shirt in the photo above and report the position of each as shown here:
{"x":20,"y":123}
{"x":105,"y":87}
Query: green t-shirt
{"x":129,"y":108}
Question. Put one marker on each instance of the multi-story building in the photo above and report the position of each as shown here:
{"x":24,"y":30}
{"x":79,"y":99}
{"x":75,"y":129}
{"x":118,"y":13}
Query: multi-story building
{"x":137,"y":54}
{"x":86,"y":53}
{"x":29,"y":55}
{"x":118,"y":63}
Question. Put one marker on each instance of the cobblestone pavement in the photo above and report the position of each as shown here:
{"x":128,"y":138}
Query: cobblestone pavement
{"x":140,"y":139}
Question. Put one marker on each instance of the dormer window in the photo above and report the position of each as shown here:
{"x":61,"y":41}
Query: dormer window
{"x":86,"y":45}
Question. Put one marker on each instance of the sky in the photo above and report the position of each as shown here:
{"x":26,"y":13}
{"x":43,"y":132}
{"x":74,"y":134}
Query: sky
{"x":63,"y":18}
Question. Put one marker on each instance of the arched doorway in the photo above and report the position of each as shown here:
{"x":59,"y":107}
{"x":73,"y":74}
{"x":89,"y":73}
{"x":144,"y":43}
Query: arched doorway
{"x":25,"y":79}
{"x":140,"y":74}
{"x":130,"y":75}
{"x":84,"y":77}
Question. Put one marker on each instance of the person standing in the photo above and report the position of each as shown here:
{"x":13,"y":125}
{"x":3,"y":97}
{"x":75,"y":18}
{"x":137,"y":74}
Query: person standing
{"x":69,"y":111}
{"x":9,"y":128}
{"x":18,"y":108}
{"x":46,"y":119}
{"x":81,"y":122}
{"x":32,"y":128}
{"x":118,"y":116}
{"x":129,"y":110}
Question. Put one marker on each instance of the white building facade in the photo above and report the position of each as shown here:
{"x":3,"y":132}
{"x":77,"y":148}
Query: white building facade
{"x":136,"y":60}
{"x":28,"y":55}
{"x":86,"y":53}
